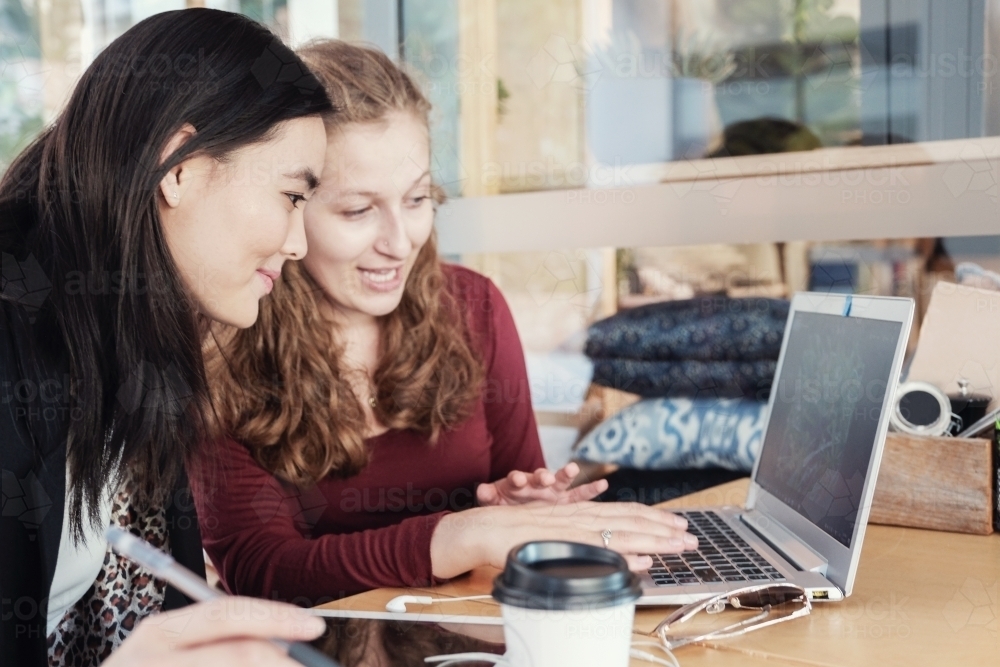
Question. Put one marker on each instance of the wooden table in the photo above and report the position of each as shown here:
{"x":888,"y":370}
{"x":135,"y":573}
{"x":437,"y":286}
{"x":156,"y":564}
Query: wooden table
{"x":921,"y":598}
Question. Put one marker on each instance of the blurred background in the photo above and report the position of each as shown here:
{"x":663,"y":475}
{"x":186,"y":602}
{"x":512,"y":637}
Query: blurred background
{"x":606,"y":96}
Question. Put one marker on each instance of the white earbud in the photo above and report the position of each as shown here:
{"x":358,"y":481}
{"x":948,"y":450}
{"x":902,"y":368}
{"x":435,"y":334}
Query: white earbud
{"x":397,"y":605}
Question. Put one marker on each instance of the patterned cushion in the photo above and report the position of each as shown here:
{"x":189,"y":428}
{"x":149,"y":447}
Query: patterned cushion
{"x":703,"y":380}
{"x":672,"y":434}
{"x":702,"y":329}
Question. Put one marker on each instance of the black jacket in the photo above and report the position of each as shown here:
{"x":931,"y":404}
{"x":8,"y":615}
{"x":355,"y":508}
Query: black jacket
{"x":34,"y":413}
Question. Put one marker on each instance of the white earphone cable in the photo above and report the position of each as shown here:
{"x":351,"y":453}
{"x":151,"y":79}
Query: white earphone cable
{"x":671,"y":660}
{"x":456,"y":658}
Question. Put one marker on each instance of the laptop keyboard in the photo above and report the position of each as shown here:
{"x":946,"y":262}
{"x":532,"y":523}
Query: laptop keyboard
{"x":722,"y":556}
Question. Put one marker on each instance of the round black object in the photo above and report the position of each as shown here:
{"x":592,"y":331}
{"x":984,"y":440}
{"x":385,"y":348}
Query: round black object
{"x":970,"y":408}
{"x":565,"y":575}
{"x":920,"y":408}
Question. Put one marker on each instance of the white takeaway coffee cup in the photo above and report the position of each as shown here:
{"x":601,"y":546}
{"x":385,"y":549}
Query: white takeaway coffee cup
{"x":565,"y":603}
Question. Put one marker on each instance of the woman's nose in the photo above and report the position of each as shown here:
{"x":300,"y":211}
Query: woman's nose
{"x":295,"y":246}
{"x":393,"y":239}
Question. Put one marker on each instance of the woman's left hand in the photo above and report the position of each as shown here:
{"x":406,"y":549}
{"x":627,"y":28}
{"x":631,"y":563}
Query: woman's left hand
{"x":518,"y":488}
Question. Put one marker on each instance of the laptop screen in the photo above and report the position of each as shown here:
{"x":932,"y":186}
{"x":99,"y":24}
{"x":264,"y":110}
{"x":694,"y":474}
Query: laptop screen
{"x":825,"y":416}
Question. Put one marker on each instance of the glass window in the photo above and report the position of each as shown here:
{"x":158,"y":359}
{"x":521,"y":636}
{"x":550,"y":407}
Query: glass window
{"x":600,"y":93}
{"x":564,"y":94}
{"x":22,"y":89}
{"x":605,"y":93}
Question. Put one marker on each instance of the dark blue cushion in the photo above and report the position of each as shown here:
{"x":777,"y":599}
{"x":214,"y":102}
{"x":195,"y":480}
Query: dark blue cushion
{"x":689,"y":379}
{"x":702,"y":329}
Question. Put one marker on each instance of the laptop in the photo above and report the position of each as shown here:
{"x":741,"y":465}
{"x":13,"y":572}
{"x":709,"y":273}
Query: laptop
{"x":812,"y":486}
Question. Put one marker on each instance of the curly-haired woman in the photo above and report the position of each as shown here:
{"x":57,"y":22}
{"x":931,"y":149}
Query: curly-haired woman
{"x":382,"y":391}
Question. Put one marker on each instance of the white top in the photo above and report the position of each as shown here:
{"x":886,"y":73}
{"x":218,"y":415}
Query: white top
{"x":79,"y":562}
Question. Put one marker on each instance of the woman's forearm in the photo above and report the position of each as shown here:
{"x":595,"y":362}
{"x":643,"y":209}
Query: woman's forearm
{"x":484,"y":535}
{"x":460,"y":543}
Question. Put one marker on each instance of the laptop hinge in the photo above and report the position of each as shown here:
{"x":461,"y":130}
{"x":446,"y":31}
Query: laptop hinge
{"x":784,"y":542}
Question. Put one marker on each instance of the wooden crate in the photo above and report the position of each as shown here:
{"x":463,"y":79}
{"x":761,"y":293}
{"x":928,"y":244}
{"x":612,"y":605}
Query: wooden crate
{"x":935,"y":483}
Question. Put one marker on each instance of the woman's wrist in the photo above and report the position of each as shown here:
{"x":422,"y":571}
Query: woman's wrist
{"x":462,"y":541}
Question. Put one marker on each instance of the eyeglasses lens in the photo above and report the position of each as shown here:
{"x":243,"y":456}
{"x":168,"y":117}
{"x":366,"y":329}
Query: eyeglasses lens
{"x":752,"y":609}
{"x":772,"y":596}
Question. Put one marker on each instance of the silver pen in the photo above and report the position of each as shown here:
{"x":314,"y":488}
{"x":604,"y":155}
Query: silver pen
{"x":163,"y":566}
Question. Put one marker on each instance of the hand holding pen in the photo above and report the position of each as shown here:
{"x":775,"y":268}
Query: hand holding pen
{"x":221,"y":631}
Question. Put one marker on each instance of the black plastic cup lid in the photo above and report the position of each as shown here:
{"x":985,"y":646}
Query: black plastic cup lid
{"x":565,"y":575}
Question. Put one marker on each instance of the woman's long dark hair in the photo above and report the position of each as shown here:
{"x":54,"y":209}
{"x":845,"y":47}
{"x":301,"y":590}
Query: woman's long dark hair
{"x":83,"y":201}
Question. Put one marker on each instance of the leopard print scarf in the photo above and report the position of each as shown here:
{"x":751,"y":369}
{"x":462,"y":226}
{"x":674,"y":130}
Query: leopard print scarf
{"x":122,"y":595}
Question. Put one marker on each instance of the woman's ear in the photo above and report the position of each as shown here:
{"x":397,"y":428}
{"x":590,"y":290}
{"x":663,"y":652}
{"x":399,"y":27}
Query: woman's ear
{"x":174,"y":183}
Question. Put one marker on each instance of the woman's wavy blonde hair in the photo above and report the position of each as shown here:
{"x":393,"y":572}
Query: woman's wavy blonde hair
{"x":278,"y":386}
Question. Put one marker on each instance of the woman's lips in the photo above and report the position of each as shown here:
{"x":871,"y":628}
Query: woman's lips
{"x":382,"y":280}
{"x":268,"y":277}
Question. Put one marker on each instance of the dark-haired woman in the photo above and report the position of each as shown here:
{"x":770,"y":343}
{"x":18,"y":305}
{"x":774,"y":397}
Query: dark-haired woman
{"x":383,"y":390}
{"x":165,"y":197}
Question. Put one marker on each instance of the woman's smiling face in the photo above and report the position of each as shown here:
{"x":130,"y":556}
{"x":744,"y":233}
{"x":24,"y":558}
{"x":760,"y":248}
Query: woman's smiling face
{"x":230,"y":225}
{"x":371,"y":215}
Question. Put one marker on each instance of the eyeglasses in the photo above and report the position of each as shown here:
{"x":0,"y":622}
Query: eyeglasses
{"x":775,"y":603}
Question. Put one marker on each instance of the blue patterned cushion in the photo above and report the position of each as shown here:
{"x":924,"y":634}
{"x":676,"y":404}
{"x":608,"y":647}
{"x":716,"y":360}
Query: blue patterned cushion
{"x":702,"y":329}
{"x":687,"y":379}
{"x":673,"y":434}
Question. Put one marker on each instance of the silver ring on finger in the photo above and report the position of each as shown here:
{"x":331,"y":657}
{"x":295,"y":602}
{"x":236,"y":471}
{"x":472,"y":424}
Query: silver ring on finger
{"x":606,"y":536}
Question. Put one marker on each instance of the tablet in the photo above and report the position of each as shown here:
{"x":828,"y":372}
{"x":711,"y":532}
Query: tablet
{"x":364,"y":642}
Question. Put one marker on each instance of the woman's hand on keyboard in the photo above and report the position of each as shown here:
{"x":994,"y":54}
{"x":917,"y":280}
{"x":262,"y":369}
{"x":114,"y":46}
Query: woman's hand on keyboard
{"x":484,"y":535}
{"x":543,"y":485}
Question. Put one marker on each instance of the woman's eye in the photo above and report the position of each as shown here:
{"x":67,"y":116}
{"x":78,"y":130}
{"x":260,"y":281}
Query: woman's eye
{"x":295,"y":198}
{"x":356,"y":213}
{"x":417,"y":201}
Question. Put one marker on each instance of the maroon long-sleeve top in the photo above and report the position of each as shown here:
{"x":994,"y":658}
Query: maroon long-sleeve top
{"x":268,"y":539}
